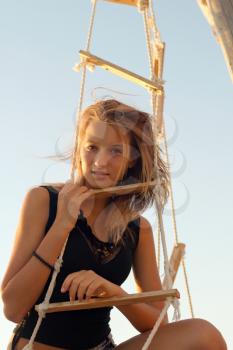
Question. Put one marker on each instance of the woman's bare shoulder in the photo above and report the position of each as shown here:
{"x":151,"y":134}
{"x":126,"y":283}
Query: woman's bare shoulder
{"x":144,"y":222}
{"x":57,"y":186}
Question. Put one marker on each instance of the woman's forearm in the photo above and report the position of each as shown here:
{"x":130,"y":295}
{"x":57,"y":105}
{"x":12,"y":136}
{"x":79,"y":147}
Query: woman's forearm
{"x":22,"y":291}
{"x":142,"y":316}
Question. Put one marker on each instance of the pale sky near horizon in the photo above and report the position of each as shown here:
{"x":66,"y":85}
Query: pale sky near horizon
{"x":39,"y":93}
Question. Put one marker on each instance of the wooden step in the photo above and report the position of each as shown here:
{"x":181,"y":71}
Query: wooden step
{"x":126,"y":2}
{"x":122,"y":72}
{"x":158,"y":71}
{"x":175,"y":260}
{"x":121,"y":190}
{"x":99,"y":302}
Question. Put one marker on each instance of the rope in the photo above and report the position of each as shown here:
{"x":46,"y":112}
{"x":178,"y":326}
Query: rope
{"x":164,"y":246}
{"x":161,"y":231}
{"x":83,"y":65}
{"x":153,"y":22}
{"x":187,"y":288}
{"x":89,"y":37}
{"x":44,"y":306}
{"x":156,"y":49}
{"x":158,"y":245}
{"x":158,"y":39}
{"x":142,"y":5}
{"x":153,"y":96}
{"x":175,"y":225}
{"x":148,"y":42}
{"x":157,"y":324}
{"x":176,"y":305}
{"x":158,"y":204}
{"x":152,"y":75}
{"x":153,"y":102}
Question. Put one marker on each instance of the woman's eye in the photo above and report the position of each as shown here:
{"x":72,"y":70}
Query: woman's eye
{"x":91,"y":147}
{"x":116,"y":151}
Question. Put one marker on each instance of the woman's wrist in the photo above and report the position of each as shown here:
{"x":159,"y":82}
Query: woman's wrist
{"x":62,"y":226}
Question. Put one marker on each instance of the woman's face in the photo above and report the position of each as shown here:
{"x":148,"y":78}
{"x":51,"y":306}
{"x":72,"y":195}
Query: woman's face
{"x":104,"y":154}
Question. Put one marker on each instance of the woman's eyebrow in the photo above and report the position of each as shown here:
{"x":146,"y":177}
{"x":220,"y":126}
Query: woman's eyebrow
{"x":97,"y":140}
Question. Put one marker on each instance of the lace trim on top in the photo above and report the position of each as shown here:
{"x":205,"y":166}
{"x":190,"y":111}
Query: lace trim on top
{"x":102,"y":251}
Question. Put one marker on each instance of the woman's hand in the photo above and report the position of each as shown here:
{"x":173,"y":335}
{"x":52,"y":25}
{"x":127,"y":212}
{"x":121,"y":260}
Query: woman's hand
{"x":86,"y":284}
{"x":70,"y":199}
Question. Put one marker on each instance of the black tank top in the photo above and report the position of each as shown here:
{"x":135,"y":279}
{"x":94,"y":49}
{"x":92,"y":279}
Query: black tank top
{"x":82,"y":329}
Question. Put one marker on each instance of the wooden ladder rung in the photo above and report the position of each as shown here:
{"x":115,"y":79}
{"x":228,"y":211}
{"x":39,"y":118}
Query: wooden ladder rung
{"x":174,"y":262}
{"x":127,"y":2}
{"x":124,"y":2}
{"x":122,"y":72}
{"x":121,"y":190}
{"x":94,"y":303}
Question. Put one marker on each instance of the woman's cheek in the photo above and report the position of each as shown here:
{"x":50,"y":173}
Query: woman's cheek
{"x":119,"y":167}
{"x":87,"y":160}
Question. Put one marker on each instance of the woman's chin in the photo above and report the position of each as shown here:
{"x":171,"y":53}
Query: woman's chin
{"x":99,"y":183}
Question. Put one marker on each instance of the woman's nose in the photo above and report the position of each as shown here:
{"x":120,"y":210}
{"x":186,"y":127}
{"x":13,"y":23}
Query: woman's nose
{"x":101,"y":159}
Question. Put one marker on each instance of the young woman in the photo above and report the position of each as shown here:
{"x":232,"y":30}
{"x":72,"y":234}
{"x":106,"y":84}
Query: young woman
{"x":106,"y":237}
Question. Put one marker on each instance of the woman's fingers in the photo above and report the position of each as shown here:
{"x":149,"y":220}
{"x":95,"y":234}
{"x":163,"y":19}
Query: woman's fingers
{"x":86,"y":284}
{"x":68,"y":280}
{"x":66,"y":283}
{"x":82,"y":289}
{"x":85,"y":195}
{"x":95,"y":289}
{"x":89,"y":277}
{"x":73,"y":290}
{"x":78,"y":287}
{"x":77,"y":283}
{"x":70,"y":199}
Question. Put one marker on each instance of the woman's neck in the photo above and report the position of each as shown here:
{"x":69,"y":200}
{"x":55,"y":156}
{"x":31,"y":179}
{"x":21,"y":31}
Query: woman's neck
{"x":94,"y":208}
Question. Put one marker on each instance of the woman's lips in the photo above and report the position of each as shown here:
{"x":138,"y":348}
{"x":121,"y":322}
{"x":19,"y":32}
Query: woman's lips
{"x":99,"y":174}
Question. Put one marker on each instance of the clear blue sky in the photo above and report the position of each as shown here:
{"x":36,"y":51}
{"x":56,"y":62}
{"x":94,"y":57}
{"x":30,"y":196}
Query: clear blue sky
{"x":39,"y":92}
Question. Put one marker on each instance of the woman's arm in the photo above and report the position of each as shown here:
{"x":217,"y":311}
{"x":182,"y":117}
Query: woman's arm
{"x":143,"y":316}
{"x":25,"y":276}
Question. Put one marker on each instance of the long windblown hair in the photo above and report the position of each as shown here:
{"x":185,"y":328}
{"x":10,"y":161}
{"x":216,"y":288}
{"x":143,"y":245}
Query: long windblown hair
{"x":148,"y":164}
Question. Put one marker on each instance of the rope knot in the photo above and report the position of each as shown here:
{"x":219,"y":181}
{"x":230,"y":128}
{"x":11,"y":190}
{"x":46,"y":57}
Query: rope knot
{"x":41,"y":309}
{"x":142,"y":5}
{"x":57,"y":265}
{"x":176,"y":305}
{"x":78,"y":66}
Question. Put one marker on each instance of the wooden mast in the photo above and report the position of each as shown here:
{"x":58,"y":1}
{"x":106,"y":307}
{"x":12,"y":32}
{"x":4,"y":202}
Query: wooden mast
{"x":219,"y":14}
